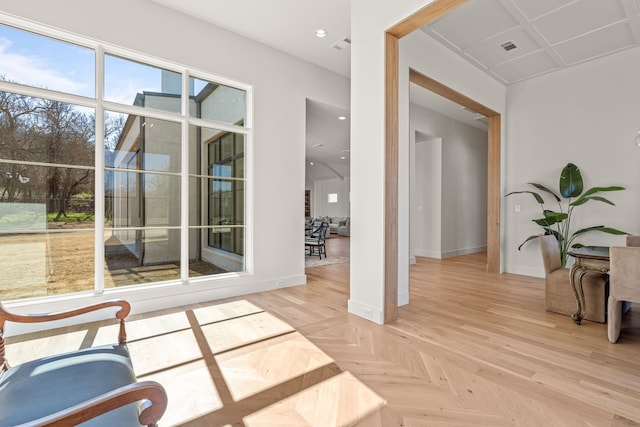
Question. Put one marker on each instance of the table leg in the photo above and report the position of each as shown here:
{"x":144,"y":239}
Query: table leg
{"x":576,"y":273}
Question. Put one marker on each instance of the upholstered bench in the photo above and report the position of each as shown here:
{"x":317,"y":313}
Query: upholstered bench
{"x":95,"y":386}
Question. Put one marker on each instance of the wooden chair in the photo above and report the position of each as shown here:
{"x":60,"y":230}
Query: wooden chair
{"x":315,"y":243}
{"x":95,"y":386}
{"x":558,"y":295}
{"x":624,"y":283}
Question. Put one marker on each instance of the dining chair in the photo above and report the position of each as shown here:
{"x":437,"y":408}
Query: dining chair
{"x":558,"y":294}
{"x":624,"y":283}
{"x":316,"y":242}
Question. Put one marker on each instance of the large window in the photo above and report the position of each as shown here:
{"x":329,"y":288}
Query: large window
{"x":150,"y":177}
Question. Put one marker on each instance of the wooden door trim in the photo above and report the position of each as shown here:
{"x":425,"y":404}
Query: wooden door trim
{"x":423,"y":16}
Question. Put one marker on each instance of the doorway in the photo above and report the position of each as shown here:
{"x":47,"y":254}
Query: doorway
{"x":392,"y":60}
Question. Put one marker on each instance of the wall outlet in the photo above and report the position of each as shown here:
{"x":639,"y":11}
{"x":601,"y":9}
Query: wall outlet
{"x":366,"y":312}
{"x":517,"y":208}
{"x":280,"y":283}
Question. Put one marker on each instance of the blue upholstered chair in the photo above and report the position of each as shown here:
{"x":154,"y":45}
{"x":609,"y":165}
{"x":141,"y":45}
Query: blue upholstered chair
{"x":95,"y":386}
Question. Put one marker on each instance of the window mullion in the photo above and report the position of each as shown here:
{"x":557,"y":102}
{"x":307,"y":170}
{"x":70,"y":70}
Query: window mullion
{"x":184,"y":187}
{"x":99,"y":204}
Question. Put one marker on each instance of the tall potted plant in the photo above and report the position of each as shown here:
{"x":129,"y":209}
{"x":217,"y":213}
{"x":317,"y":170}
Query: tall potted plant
{"x":558,"y":222}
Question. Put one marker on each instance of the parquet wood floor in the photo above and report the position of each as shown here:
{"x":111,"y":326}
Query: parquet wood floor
{"x":471,"y":349}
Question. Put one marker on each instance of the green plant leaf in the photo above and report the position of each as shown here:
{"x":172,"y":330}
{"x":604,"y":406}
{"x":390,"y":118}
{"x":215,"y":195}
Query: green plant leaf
{"x":599,"y":189}
{"x":570,"y":181}
{"x":530,"y":238}
{"x":545,"y":222}
{"x":601,"y":228}
{"x":546,"y":189}
{"x":535,"y":195}
{"x":550,"y":218}
{"x":595,"y":190}
{"x":582,"y":200}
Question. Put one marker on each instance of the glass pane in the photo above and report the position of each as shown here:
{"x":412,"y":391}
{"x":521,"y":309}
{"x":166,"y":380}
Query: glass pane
{"x":141,"y":256}
{"x":214,"y":101}
{"x":224,"y":197}
{"x":226,"y":239}
{"x":135,"y":199}
{"x":133,"y":83}
{"x":43,"y":62}
{"x":42,"y":264}
{"x":223,"y":153}
{"x":42,"y":197}
{"x":205,"y":261}
{"x":39,"y":130}
{"x":141,"y":143}
{"x":196,"y":200}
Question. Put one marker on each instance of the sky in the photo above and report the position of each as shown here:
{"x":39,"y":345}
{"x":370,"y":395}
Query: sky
{"x":34,"y":60}
{"x":39,"y":61}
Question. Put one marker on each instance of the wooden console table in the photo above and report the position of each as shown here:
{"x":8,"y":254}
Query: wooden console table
{"x":588,"y":259}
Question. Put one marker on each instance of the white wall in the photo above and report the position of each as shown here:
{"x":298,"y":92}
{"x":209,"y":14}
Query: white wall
{"x":281,"y":85}
{"x":321,"y":188}
{"x":587,"y":115}
{"x":426,"y":199}
{"x":369,"y":20}
{"x":462,"y":198}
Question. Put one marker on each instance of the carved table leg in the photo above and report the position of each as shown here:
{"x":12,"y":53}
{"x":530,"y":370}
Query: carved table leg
{"x":576,"y":273}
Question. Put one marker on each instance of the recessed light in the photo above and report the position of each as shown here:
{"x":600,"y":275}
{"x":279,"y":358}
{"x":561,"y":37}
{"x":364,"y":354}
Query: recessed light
{"x":311,"y":163}
{"x":342,"y":157}
{"x":342,"y":118}
{"x":321,"y":33}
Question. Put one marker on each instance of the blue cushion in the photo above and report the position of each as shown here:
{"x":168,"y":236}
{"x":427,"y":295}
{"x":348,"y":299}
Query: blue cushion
{"x":45,"y":386}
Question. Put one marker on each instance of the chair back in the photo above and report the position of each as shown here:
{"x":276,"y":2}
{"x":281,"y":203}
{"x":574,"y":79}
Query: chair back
{"x":550,"y":253}
{"x":322,"y":232}
{"x":319,"y":227}
{"x":633,"y":240}
{"x":625,"y":273}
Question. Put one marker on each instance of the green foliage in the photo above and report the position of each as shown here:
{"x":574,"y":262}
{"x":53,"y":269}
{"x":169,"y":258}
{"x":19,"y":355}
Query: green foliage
{"x":70,"y":217}
{"x":558,"y":222}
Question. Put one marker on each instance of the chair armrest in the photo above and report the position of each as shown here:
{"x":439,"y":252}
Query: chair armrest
{"x":121,"y":314}
{"x":149,"y":391}
{"x":125,"y":309}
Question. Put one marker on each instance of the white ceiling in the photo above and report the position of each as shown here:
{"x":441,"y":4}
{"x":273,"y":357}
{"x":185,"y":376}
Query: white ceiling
{"x":327,"y":141}
{"x":287,"y":25}
{"x":549,"y":34}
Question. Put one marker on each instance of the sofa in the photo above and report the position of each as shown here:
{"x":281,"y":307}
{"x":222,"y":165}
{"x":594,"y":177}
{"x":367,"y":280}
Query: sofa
{"x":335,"y":222}
{"x":344,"y":227}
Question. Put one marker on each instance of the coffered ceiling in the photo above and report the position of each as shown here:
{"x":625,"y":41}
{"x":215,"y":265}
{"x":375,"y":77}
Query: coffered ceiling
{"x":513,"y":40}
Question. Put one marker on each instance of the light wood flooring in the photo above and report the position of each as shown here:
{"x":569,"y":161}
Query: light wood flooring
{"x":471,"y":349}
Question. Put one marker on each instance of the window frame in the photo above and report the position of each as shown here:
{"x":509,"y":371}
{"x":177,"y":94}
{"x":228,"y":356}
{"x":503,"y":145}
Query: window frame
{"x":100,"y":106}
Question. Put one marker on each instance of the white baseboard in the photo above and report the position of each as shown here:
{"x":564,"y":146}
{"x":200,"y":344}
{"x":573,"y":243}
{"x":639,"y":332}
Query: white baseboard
{"x":465,"y":251}
{"x":365,"y":311}
{"x":428,"y":254}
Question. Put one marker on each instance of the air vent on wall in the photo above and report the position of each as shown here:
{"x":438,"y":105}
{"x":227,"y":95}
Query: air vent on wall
{"x":507,"y":46}
{"x":341,"y":44}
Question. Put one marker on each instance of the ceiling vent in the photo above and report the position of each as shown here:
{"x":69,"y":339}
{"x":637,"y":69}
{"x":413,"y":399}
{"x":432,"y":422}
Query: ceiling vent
{"x":507,"y":46}
{"x":341,"y":44}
